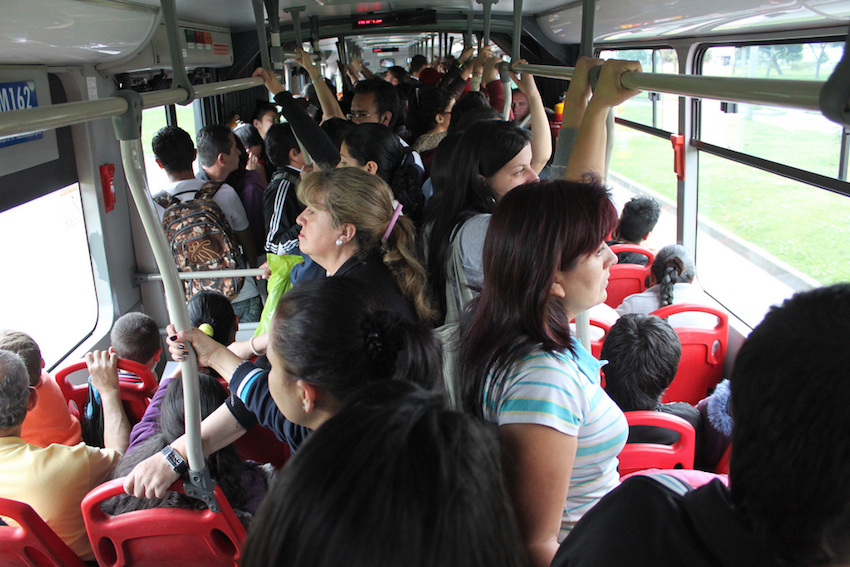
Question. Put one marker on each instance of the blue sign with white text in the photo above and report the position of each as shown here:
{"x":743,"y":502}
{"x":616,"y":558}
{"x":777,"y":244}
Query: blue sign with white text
{"x":18,"y":96}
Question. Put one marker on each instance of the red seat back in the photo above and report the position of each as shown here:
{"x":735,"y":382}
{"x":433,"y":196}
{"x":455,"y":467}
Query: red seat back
{"x":723,"y":465}
{"x":33,"y":543}
{"x":640,"y":456}
{"x":650,"y":255}
{"x":703,"y":354}
{"x":261,"y":445}
{"x":596,"y":344}
{"x":162,"y":536}
{"x":626,"y":279}
{"x":135,"y":395}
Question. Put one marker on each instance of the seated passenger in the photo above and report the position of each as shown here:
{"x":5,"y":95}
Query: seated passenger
{"x":54,"y":480}
{"x":374,"y":148}
{"x":213,"y":314}
{"x":244,"y":484}
{"x":392,"y":479}
{"x":545,"y":261}
{"x":638,"y":219}
{"x":134,"y":336}
{"x":330,"y":337}
{"x":671,"y":278}
{"x":715,"y":432}
{"x":788,"y":501}
{"x":50,"y":421}
{"x":643,"y":354}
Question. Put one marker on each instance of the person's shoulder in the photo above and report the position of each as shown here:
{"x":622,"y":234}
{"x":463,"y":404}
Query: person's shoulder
{"x":474,"y":228}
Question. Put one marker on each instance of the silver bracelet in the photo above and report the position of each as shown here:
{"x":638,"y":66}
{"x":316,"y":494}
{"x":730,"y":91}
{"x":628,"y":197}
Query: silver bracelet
{"x":254,"y":350}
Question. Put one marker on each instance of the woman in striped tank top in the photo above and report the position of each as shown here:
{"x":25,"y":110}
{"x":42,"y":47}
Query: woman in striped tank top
{"x":545,"y":261}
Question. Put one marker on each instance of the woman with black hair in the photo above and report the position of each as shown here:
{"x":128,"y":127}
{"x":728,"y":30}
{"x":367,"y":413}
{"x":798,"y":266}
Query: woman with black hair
{"x":392,"y":479}
{"x":329,"y":337}
{"x":374,"y":148}
{"x":244,"y":484}
{"x":545,"y":261}
{"x":493,"y":157}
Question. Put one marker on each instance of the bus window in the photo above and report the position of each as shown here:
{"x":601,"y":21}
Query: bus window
{"x":762,"y":237}
{"x":642,"y":163}
{"x":650,"y":109}
{"x":49,"y":283}
{"x":799,"y":138}
{"x":152,"y":120}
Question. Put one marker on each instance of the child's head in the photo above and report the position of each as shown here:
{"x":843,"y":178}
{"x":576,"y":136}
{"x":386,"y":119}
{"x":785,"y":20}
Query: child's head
{"x":282,"y":147}
{"x":643,"y":354}
{"x":27,"y":349}
{"x":213,"y":308}
{"x":135,"y":337}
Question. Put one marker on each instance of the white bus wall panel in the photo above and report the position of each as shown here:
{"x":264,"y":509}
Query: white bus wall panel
{"x":203,"y":46}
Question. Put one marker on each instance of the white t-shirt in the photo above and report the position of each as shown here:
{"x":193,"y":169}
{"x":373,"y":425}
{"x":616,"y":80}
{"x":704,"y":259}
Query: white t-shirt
{"x":228,"y":201}
{"x":647,"y":301}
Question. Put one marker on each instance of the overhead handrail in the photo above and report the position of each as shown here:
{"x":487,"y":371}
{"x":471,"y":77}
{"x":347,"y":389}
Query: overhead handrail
{"x":242,"y":273}
{"x":58,"y":115}
{"x":778,"y":92}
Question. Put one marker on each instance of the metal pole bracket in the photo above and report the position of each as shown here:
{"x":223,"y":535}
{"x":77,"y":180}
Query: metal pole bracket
{"x":180,"y":80}
{"x":200,"y":486}
{"x":128,"y":126}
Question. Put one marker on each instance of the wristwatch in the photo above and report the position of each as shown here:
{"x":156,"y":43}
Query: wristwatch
{"x":177,"y":463}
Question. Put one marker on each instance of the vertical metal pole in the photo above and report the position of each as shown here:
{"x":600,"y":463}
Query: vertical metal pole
{"x":260,"y":18}
{"x":588,"y":17}
{"x":515,"y":54}
{"x":487,"y":5}
{"x":128,"y":129}
{"x":588,"y":24}
{"x":296,"y":24}
{"x":273,"y":11}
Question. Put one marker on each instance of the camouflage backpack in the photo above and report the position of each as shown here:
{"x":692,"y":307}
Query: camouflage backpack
{"x":201,"y":239}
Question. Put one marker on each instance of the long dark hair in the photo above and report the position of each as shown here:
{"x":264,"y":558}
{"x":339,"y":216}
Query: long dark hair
{"x":225,"y":465}
{"x":482,"y":151}
{"x":376,"y":142}
{"x":429,"y":102}
{"x":332,"y":333}
{"x":437,"y":498}
{"x":214,"y":309}
{"x":536,"y":230}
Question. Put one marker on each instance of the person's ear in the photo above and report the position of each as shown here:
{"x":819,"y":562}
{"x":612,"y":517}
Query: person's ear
{"x":349,"y":231}
{"x":308,"y":395}
{"x":559,"y":288}
{"x":371,"y":167}
{"x":157,"y":355}
{"x":221,"y":159}
{"x":294,"y":155}
{"x":439,"y":118}
{"x":386,"y":118}
{"x":159,"y":163}
{"x":33,"y":399}
{"x":110,"y":350}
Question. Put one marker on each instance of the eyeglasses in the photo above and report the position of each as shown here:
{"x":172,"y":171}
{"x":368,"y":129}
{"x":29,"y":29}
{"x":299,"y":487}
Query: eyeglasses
{"x":359,"y":115}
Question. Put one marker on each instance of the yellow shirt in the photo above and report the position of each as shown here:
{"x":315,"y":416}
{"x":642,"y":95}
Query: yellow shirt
{"x":54,"y":480}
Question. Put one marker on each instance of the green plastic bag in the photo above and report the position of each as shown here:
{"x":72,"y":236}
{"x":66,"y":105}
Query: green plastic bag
{"x":279,"y":283}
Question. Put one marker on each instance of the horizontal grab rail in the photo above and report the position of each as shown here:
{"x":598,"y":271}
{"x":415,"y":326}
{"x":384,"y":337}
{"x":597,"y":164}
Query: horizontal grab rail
{"x":788,"y":94}
{"x":30,"y":120}
{"x":247,"y":272}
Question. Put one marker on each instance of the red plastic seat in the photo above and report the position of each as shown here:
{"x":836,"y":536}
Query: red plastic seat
{"x":261,"y":445}
{"x":703,"y":354}
{"x":596,"y":344}
{"x":33,"y":543}
{"x":640,"y":456}
{"x":723,"y":465}
{"x":162,"y":536}
{"x":135,"y":395}
{"x":650,"y":255}
{"x":627,"y":279}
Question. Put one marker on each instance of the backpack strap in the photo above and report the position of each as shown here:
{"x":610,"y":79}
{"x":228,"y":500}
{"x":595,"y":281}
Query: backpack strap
{"x":208,"y":190}
{"x":164,"y":199}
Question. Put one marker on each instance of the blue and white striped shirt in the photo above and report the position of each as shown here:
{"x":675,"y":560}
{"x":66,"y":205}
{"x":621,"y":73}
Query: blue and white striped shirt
{"x":562,"y":391}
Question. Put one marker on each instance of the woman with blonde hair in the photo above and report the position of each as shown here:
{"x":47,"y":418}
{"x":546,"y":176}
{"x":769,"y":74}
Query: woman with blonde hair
{"x":352,"y":226}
